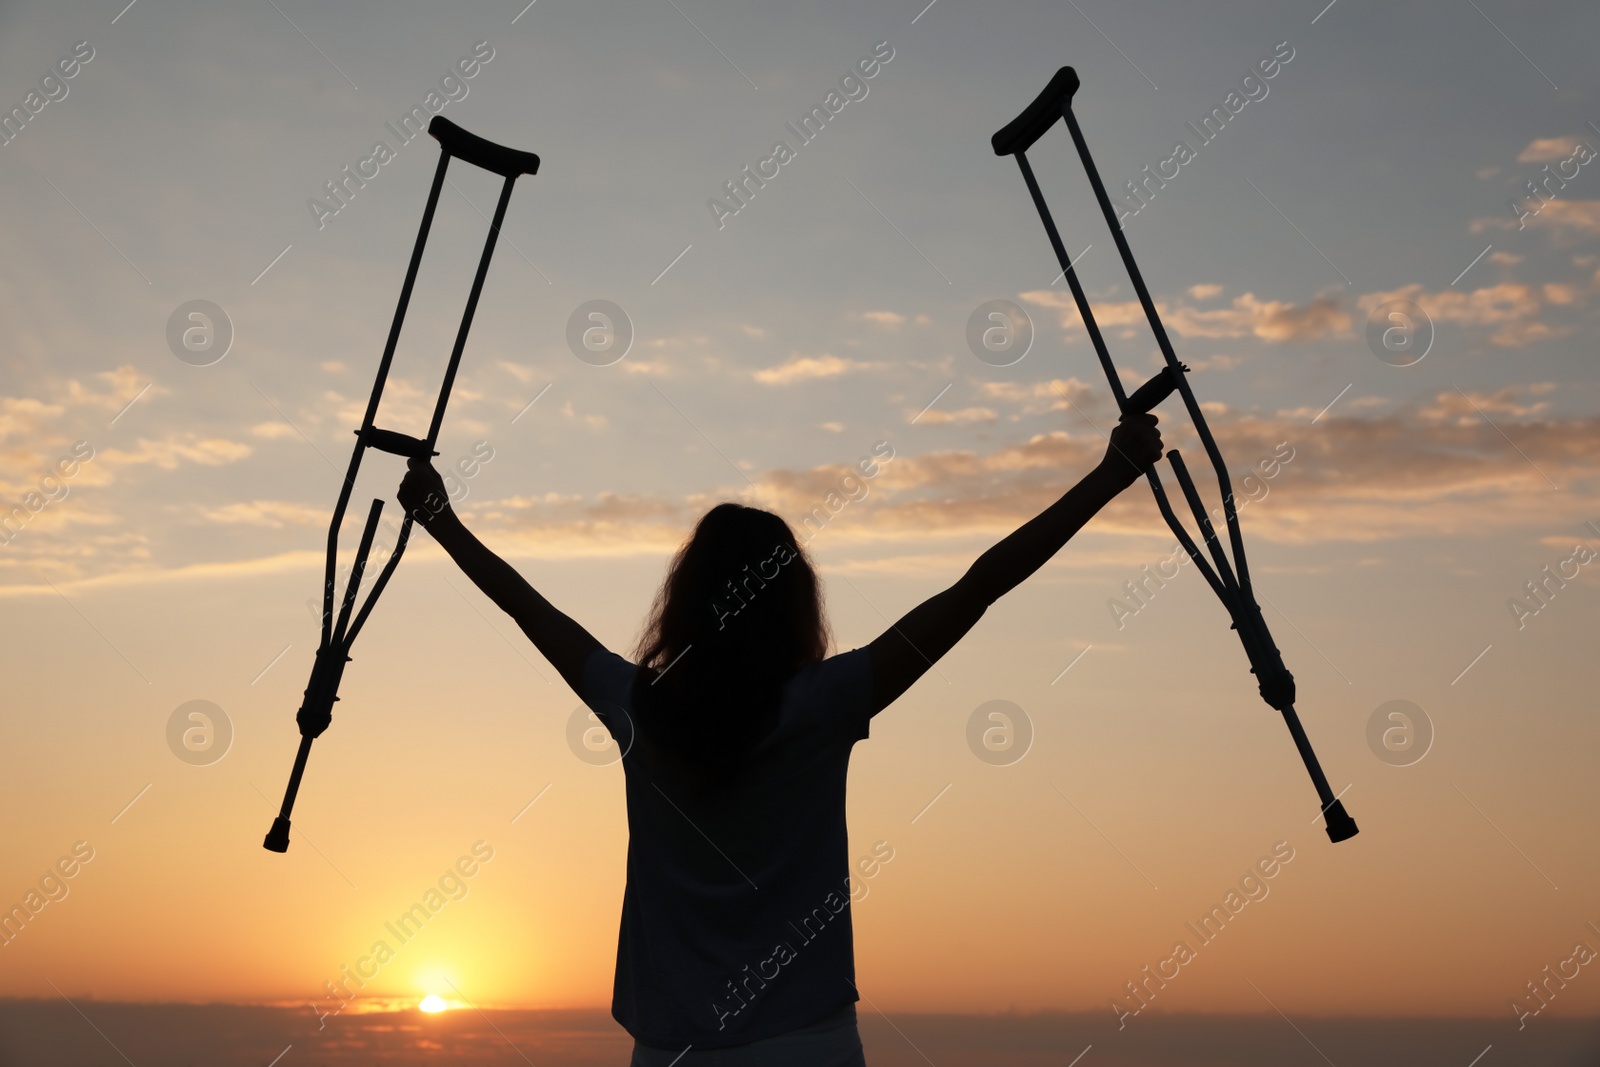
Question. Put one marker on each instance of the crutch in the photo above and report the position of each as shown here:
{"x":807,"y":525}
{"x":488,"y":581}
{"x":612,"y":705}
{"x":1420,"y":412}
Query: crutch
{"x":316,"y":709}
{"x":1230,"y":583}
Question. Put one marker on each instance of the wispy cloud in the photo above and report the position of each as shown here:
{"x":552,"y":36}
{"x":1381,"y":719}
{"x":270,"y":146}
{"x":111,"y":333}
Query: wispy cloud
{"x":936,"y":417}
{"x":168,"y":452}
{"x":1246,"y":316}
{"x":273,"y":514}
{"x":1567,"y":221}
{"x":888,"y":319}
{"x":800,"y":368}
{"x":1510,"y":310}
{"x":1548,"y":149}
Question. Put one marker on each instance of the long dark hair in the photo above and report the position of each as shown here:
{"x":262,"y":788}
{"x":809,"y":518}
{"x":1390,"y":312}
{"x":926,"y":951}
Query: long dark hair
{"x":739,"y":612}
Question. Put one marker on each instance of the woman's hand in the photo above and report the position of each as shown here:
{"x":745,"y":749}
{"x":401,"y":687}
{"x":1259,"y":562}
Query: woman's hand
{"x":1135,"y":447}
{"x":422,"y":492}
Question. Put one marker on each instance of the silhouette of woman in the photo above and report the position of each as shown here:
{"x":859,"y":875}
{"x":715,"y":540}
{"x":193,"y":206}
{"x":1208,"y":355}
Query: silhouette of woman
{"x":735,"y":946}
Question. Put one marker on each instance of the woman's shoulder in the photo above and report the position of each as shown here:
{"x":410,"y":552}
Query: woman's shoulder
{"x":843,"y":676}
{"x":607,"y":677}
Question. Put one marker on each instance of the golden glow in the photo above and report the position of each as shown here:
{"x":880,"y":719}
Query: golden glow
{"x":433,"y":1003}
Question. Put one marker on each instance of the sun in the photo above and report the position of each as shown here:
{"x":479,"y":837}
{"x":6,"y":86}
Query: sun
{"x":433,"y":1003}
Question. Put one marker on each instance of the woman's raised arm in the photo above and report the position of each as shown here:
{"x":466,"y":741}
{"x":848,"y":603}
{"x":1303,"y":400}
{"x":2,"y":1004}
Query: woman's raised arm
{"x":908,"y":648}
{"x":564,"y":642}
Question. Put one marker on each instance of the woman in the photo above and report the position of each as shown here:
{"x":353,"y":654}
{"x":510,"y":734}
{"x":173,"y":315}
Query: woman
{"x":735,"y":945}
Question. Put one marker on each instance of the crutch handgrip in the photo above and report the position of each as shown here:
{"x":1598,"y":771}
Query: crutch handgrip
{"x":1020,"y":133}
{"x":395,"y":443}
{"x":481,"y":152}
{"x":1153,"y":392}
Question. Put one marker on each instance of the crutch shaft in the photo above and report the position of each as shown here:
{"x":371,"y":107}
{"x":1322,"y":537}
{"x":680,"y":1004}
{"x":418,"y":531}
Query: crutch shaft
{"x":1147,"y":395}
{"x":379,"y":381}
{"x":277,"y":839}
{"x":1340,"y":825}
{"x":471,"y":309}
{"x":1085,"y":311}
{"x":389,"y":565}
{"x":1224,"y":483}
{"x":1187,"y":542}
{"x":352,"y":584}
{"x":1208,"y":533}
{"x":391,"y":441}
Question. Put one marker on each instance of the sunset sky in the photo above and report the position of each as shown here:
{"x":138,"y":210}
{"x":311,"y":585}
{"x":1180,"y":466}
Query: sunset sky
{"x":772,"y":351}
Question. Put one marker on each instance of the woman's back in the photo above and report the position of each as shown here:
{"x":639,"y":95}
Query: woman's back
{"x":736,"y":916}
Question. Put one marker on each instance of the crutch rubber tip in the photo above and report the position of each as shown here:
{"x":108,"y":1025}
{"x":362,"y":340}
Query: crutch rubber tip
{"x":278,"y":837}
{"x":1341,"y":827}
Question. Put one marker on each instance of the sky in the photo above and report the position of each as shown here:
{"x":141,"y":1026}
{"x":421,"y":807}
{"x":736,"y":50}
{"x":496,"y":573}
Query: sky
{"x":174,"y":503}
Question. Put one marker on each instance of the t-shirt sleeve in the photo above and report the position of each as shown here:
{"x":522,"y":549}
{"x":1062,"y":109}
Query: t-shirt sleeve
{"x":842,"y":692}
{"x":607,"y":681}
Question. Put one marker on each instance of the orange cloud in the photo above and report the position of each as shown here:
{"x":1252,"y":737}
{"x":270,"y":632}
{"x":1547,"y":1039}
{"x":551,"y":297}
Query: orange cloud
{"x":1246,"y":316}
{"x":274,"y":514}
{"x":1510,"y":307}
{"x":799,"y":368}
{"x":1035,"y":398}
{"x":273,"y":431}
{"x":31,"y":417}
{"x":1565,"y":220}
{"x":1464,"y":408}
{"x":168,"y":452}
{"x":1547,"y":149}
{"x":888,"y":319}
{"x":936,"y":417}
{"x":1438,"y":469}
{"x":1270,"y":320}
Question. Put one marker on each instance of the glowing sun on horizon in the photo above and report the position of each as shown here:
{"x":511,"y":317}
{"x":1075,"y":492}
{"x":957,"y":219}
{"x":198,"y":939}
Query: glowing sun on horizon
{"x":433,"y":1003}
